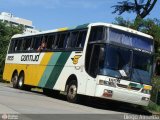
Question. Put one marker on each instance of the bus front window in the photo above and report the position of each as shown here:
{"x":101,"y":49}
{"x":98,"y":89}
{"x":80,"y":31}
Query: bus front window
{"x":116,"y":62}
{"x":142,"y":68}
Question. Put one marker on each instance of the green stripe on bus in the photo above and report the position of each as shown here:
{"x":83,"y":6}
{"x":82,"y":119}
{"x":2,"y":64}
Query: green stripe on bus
{"x":49,"y":69}
{"x":84,"y":26}
{"x":57,"y":69}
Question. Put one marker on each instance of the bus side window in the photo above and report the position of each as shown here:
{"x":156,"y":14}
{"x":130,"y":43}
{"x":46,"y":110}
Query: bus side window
{"x":22,"y":48}
{"x":19,"y":44}
{"x":73,"y":38}
{"x":50,"y":42}
{"x":11,"y":47}
{"x":28,"y":45}
{"x":15,"y":44}
{"x":81,"y":39}
{"x":62,"y":40}
{"x":57,"y":41}
{"x":45,"y":40}
{"x":36,"y":42}
{"x":67,"y":38}
{"x":97,"y":33}
{"x":42,"y":43}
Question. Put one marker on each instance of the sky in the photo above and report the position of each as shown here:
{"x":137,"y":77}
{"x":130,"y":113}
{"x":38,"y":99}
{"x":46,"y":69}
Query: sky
{"x":52,"y":14}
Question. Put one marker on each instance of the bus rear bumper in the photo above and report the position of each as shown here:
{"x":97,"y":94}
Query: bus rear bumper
{"x":123,"y":95}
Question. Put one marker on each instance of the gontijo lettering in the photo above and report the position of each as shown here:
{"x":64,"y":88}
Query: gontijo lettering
{"x":29,"y":57}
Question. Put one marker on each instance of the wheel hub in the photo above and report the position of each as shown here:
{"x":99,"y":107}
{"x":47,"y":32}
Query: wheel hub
{"x":15,"y":78}
{"x":72,"y":91}
{"x":20,"y":82}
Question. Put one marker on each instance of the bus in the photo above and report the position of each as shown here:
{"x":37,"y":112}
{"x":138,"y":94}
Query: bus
{"x":99,"y":60}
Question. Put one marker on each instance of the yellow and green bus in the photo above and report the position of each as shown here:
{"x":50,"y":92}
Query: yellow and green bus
{"x":96,"y":59}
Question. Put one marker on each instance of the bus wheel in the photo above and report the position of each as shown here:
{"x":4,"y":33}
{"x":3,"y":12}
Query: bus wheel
{"x":15,"y":80}
{"x":21,"y":81}
{"x":72,"y":92}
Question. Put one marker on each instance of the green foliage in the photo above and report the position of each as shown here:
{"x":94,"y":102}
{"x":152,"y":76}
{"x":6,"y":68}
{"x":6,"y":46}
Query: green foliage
{"x":122,"y":22}
{"x":6,"y":32}
{"x":155,"y":88}
{"x":153,"y":107}
{"x":141,"y":7}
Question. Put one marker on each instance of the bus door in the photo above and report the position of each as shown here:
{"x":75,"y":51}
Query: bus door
{"x":93,"y":67}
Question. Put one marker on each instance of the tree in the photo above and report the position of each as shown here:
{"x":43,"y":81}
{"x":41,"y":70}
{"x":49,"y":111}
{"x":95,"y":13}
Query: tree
{"x":6,"y":32}
{"x":141,"y":7}
{"x":122,"y":22}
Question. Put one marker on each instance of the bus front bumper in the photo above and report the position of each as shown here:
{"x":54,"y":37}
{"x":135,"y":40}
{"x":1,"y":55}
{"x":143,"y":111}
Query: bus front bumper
{"x":123,"y":95}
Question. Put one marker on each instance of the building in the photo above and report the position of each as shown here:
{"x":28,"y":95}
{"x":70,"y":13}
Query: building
{"x":8,"y":17}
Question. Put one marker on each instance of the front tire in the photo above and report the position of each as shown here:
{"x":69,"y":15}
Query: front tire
{"x":72,"y":92}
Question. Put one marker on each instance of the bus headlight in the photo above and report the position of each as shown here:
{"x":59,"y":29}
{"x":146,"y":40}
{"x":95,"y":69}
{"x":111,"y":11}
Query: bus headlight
{"x":101,"y":82}
{"x":107,"y":83}
{"x":145,"y":98}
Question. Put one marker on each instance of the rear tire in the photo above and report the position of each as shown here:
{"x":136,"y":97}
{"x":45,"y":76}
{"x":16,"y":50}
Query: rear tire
{"x":15,"y":80}
{"x":72,"y":92}
{"x":21,"y":83}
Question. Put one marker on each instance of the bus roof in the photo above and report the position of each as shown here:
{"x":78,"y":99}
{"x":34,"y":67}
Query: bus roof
{"x":86,"y":26}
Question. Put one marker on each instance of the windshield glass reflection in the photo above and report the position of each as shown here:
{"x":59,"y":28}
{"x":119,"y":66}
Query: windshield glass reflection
{"x":142,"y":68}
{"x":116,"y":62}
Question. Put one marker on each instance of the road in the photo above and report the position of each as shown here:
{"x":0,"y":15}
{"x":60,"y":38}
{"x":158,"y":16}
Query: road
{"x":35,"y":104}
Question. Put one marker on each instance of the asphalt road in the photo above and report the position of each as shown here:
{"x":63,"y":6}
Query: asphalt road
{"x":35,"y":105}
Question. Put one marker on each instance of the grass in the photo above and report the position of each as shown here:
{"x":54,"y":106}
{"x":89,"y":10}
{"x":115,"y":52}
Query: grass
{"x":153,"y":107}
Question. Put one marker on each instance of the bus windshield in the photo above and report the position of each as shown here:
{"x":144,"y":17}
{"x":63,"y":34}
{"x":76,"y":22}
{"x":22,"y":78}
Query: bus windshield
{"x":126,"y":64}
{"x":142,"y":67}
